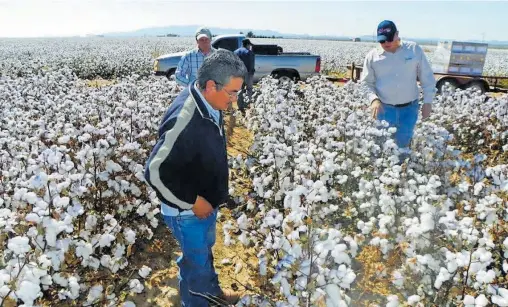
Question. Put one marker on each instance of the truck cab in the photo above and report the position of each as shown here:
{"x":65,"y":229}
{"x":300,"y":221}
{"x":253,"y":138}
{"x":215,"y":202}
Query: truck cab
{"x":269,"y":60}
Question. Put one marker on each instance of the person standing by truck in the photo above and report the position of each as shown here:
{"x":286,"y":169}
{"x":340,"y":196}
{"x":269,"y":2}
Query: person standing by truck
{"x":390,"y":75}
{"x":189,"y":64}
{"x":247,"y":56}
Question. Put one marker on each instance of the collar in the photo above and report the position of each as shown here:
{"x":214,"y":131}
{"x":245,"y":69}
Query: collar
{"x":200,"y":101}
{"x":380,"y":49}
{"x":209,"y":52}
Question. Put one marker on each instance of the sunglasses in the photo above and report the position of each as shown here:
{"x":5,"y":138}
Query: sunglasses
{"x":386,"y":40}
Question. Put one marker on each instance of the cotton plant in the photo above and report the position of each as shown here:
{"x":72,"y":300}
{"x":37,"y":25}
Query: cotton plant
{"x":72,"y":191}
{"x":327,"y":181}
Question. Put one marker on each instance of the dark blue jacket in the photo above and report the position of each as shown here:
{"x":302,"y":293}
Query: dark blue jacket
{"x":247,"y":57}
{"x":189,"y":158}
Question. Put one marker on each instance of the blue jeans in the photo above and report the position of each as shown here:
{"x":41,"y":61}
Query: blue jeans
{"x":196,"y":271}
{"x":404,"y":119}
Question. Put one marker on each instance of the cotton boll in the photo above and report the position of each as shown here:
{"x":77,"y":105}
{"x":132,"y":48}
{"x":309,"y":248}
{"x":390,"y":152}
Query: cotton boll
{"x":94,"y":294}
{"x":393,"y":301}
{"x":19,"y":245}
{"x":144,"y":271}
{"x":413,"y":299}
{"x":136,"y":286}
{"x":28,"y":292}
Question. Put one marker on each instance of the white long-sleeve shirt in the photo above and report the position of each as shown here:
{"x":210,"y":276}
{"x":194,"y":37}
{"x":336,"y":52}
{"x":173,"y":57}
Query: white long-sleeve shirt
{"x":392,"y":77}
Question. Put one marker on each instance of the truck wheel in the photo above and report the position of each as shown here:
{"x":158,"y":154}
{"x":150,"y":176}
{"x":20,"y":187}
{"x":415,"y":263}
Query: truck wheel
{"x":284,"y":76}
{"x":170,"y":73}
{"x":446,"y":84}
{"x":477,"y":86}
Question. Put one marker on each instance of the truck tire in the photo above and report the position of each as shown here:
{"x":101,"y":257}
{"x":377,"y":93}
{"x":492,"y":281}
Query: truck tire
{"x":285,"y":76}
{"x":444,"y":83}
{"x":477,"y":86}
{"x":170,"y":73}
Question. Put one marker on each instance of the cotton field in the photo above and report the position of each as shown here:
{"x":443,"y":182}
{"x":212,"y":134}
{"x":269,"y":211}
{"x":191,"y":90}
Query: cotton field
{"x":117,"y":57}
{"x":320,"y":196}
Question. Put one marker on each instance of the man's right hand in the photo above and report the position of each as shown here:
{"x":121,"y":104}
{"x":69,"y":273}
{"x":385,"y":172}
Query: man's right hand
{"x":376,"y":108}
{"x":202,"y":208}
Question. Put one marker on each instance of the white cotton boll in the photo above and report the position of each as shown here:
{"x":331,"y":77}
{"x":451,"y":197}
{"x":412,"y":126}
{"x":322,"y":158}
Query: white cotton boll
{"x":40,"y":180}
{"x":485,"y":277}
{"x":334,"y":296}
{"x":60,"y":280}
{"x":19,"y":245}
{"x":44,"y":262}
{"x":285,"y":287}
{"x":443,"y":276}
{"x":128,"y":304}
{"x":73,"y":292}
{"x":130,"y":236}
{"x":505,"y":266}
{"x":501,"y":298}
{"x":393,"y":301}
{"x":30,"y":198}
{"x":144,"y":271}
{"x":94,"y":294}
{"x":64,"y":139}
{"x":136,"y":286}
{"x":33,"y":217}
{"x":84,"y":250}
{"x":397,"y":279}
{"x":106,"y":240}
{"x":293,"y":300}
{"x":28,"y":292}
{"x":61,"y":202}
{"x":469,"y":300}
{"x":481,"y":301}
{"x":413,"y":299}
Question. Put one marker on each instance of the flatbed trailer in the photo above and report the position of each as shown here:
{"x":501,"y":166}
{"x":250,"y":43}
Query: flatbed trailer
{"x":462,"y":81}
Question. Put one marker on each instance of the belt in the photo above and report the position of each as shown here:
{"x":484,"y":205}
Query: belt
{"x":400,"y":105}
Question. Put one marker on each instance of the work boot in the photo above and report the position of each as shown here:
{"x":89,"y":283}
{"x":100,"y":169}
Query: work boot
{"x":230,"y":296}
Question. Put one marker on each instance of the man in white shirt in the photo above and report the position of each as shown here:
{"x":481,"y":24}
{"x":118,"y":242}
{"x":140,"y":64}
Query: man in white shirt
{"x":390,"y":74}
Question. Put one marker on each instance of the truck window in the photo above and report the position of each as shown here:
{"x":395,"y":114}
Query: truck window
{"x":230,"y":44}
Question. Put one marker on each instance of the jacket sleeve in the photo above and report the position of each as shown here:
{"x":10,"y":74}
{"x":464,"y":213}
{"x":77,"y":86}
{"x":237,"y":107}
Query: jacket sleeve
{"x":173,"y":151}
{"x":183,"y":70}
{"x":368,"y":78}
{"x":426,"y":76}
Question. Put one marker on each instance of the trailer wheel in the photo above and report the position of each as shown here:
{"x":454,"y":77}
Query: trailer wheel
{"x":446,"y":84}
{"x":477,"y":86}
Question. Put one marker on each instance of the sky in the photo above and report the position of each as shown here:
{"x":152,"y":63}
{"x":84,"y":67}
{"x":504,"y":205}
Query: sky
{"x":459,"y":20}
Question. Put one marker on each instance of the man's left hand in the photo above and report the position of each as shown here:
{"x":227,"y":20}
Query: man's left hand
{"x":426,"y":110}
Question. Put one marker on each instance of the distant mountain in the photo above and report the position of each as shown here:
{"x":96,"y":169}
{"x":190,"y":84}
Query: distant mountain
{"x":189,"y":30}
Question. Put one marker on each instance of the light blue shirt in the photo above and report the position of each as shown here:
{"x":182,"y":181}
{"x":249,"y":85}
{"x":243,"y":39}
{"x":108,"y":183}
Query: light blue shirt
{"x":214,"y":113}
{"x":170,"y":211}
{"x":392,"y":77}
{"x":187,"y":69}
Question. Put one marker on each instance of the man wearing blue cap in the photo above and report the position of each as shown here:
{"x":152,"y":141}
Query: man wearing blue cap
{"x":390,"y":75}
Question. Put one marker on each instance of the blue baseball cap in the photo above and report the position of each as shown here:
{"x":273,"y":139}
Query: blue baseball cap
{"x":386,"y":31}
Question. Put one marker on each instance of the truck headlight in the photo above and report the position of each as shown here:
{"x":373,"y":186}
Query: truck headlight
{"x":156,"y":65}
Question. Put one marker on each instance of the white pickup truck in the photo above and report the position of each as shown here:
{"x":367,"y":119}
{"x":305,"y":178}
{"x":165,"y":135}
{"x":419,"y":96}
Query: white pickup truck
{"x":269,"y":60}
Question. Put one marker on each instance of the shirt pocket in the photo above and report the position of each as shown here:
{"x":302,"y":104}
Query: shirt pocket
{"x":410,"y":61}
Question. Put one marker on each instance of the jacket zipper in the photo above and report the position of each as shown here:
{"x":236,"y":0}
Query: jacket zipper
{"x":220,"y":131}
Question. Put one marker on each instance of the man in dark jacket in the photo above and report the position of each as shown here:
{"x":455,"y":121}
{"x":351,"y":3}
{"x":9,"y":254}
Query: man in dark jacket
{"x":188,"y":169}
{"x":248,"y":58}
